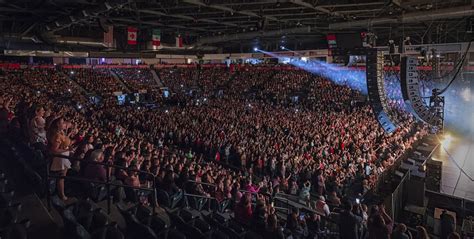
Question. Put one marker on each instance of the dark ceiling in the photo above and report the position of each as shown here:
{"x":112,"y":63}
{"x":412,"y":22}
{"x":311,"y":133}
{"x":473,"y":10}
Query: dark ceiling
{"x":229,"y":25}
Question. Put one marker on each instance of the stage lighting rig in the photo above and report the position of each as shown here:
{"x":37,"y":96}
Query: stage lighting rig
{"x":433,"y":113}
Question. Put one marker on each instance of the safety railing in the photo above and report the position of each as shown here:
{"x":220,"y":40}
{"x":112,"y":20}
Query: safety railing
{"x":188,"y":195}
{"x":387,"y":174}
{"x":286,"y":202}
{"x":107,"y":182}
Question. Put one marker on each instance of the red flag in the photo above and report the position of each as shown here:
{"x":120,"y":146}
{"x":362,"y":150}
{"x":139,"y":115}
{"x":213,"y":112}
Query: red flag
{"x":132,"y":36}
{"x":179,"y":41}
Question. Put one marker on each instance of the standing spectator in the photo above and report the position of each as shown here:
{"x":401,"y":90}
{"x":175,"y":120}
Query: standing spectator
{"x":322,"y":206}
{"x":401,"y":232}
{"x":243,"y":210}
{"x":296,"y":224}
{"x":273,"y":230}
{"x":349,"y":223}
{"x":37,"y":127}
{"x":448,"y":224}
{"x":95,"y":171}
{"x":333,"y":199}
{"x":379,"y":224}
{"x":59,"y":144}
{"x":4,"y":114}
{"x":305,"y":191}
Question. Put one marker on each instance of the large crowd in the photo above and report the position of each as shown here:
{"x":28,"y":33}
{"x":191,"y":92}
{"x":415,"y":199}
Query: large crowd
{"x":248,"y":141}
{"x":136,"y":78}
{"x":99,"y":81}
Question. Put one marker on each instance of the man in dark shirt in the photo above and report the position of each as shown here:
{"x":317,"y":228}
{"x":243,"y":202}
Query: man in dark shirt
{"x":349,"y":222}
{"x":448,"y":224}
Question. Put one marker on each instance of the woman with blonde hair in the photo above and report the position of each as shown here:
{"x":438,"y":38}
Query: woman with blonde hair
{"x":59,"y":144}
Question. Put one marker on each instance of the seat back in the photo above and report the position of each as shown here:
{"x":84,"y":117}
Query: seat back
{"x":217,"y":234}
{"x":175,"y":199}
{"x":202,"y":225}
{"x":191,"y":231}
{"x":163,"y":198}
{"x":143,"y":214}
{"x":175,"y":234}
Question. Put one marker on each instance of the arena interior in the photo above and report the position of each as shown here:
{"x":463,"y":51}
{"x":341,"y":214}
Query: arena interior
{"x":228,"y":119}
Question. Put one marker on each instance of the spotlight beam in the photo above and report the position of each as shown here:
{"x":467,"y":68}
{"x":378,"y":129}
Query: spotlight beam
{"x":354,"y":79}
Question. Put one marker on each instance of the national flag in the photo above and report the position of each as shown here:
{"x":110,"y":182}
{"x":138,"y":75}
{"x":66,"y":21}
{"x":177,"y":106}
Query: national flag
{"x":132,"y":36}
{"x":179,"y":41}
{"x":156,"y":38}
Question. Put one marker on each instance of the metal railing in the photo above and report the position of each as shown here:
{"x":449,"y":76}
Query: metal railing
{"x":284,"y":202}
{"x":107,"y":183}
{"x":391,"y":170}
{"x":188,"y":195}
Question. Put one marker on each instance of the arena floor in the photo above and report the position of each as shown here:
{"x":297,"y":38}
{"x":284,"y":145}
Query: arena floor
{"x":456,"y":153}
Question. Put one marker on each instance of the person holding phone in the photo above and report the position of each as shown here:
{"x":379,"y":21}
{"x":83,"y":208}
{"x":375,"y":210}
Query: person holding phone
{"x":380,"y":224}
{"x":295,"y":223}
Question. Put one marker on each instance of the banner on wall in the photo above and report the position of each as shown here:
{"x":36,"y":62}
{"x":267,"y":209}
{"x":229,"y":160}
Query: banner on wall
{"x":156,"y":38}
{"x":179,"y":41}
{"x":109,"y":36}
{"x":132,"y":35}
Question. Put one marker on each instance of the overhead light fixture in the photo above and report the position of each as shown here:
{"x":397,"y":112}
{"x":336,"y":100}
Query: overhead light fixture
{"x":57,"y":24}
{"x":255,"y":49}
{"x":282,"y":47}
{"x":85,"y":13}
{"x":73,"y":19}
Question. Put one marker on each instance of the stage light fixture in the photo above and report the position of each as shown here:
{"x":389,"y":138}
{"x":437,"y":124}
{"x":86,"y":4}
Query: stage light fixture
{"x":282,"y":47}
{"x":255,"y":49}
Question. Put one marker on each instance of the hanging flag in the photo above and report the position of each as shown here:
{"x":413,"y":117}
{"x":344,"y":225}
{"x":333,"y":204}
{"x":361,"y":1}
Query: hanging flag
{"x":132,"y":36}
{"x":179,"y":41}
{"x":109,"y":36}
{"x":156,"y":38}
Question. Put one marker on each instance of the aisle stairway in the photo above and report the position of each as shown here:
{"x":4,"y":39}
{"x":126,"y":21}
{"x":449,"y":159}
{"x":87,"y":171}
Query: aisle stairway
{"x":120,"y":80}
{"x":74,"y":82}
{"x":156,"y":78}
{"x":29,"y":208}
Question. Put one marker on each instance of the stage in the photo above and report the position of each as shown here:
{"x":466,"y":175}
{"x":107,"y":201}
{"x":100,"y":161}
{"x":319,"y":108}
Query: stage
{"x":456,"y":152}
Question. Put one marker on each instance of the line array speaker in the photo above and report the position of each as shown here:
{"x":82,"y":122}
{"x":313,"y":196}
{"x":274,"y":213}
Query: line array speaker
{"x":376,"y":90}
{"x":410,"y":85}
